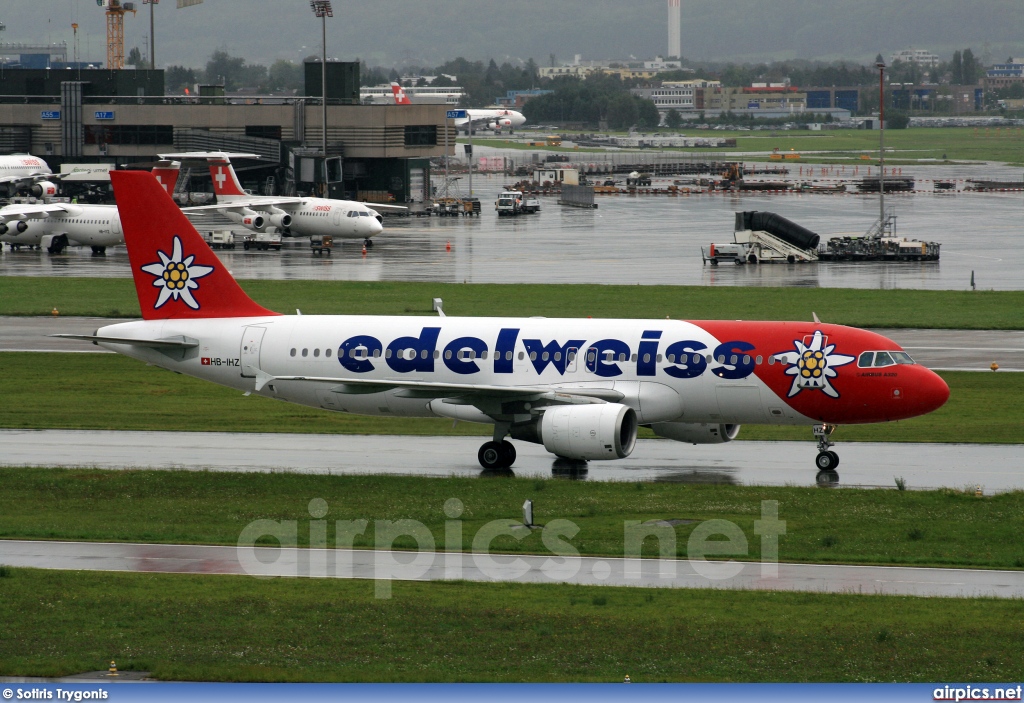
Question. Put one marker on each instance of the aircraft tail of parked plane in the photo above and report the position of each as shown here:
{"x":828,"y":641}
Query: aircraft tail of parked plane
{"x":166,"y":173}
{"x":169,"y":258}
{"x":580,"y":387}
{"x":400,"y":97}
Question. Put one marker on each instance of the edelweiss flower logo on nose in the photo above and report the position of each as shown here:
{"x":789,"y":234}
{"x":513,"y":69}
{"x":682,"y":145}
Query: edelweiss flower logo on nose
{"x":812,"y":365}
{"x":176,"y":277}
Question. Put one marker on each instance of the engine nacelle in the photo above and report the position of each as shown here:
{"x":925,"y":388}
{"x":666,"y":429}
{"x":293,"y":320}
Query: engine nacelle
{"x":20,"y":227}
{"x":282,"y":221}
{"x":43,"y":189}
{"x":696,"y":432}
{"x":250,"y":219}
{"x":593,"y":431}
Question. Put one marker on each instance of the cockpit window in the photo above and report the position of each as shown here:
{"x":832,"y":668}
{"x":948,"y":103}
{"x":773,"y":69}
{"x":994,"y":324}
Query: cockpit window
{"x":883,"y":359}
{"x":865,"y":360}
{"x":901,"y":357}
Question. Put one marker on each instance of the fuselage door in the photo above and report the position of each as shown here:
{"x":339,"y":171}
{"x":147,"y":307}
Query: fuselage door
{"x":336,"y":217}
{"x":249,"y":353}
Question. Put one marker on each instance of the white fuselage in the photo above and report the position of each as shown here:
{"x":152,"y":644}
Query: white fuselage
{"x":506,"y":352}
{"x":22,"y":166}
{"x":500,"y":119}
{"x":83,"y":225}
{"x":342,"y":219}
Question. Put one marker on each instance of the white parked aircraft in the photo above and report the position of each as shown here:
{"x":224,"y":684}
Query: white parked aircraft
{"x":341,"y":219}
{"x":580,"y":387}
{"x":496,"y":119}
{"x":56,"y":226}
{"x":28,"y":173}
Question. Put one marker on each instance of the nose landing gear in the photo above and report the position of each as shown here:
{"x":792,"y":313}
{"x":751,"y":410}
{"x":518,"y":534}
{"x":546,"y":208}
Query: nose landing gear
{"x":827,"y":460}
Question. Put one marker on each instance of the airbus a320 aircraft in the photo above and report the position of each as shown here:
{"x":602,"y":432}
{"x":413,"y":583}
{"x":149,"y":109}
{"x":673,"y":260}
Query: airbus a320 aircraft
{"x":579,"y":387}
{"x":24,"y":172}
{"x":342,"y":219}
{"x":496,"y":119}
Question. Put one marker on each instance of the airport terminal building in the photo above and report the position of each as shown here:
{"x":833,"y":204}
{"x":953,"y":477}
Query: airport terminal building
{"x":123,"y":117}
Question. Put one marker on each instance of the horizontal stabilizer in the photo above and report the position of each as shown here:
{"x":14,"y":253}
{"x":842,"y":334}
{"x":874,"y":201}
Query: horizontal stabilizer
{"x":167,"y":343}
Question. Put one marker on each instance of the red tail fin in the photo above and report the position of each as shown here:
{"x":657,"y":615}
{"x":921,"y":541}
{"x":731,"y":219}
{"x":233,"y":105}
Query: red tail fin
{"x":225,"y":182}
{"x":166,"y":173}
{"x":176,"y":274}
{"x":400,"y":97}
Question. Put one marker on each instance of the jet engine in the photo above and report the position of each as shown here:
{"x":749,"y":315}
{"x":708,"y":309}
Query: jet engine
{"x":500,"y":123}
{"x":20,"y":227}
{"x":696,"y":432}
{"x":250,"y":219}
{"x":43,"y":189}
{"x":279,"y":218}
{"x":592,"y":431}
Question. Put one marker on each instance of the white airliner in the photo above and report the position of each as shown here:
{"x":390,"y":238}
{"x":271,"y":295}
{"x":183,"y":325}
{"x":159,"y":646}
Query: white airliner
{"x":59,"y":225}
{"x":580,"y":387}
{"x":341,"y":219}
{"x":496,"y":119}
{"x":24,"y":172}
{"x":56,"y":226}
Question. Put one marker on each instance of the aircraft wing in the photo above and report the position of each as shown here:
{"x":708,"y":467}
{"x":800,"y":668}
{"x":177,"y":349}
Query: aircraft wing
{"x":31,"y":212}
{"x":32,"y":178}
{"x":253,"y":204}
{"x":476,"y":394}
{"x":383,"y":207}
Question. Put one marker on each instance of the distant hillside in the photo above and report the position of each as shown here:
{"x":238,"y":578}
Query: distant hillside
{"x":390,"y":32}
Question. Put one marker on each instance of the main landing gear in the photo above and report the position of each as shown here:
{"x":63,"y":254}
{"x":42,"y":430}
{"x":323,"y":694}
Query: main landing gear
{"x":497,"y":455}
{"x":827,"y":460}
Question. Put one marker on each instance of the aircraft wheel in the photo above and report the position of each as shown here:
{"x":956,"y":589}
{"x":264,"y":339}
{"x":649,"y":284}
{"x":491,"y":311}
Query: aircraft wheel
{"x":367,"y":243}
{"x":490,"y":455}
{"x":826,"y":461}
{"x":508,"y":454}
{"x":99,"y":251}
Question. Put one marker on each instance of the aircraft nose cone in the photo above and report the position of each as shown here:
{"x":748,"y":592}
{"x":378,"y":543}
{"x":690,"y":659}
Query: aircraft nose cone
{"x":935,"y":392}
{"x":374,"y":227}
{"x":932,"y":392}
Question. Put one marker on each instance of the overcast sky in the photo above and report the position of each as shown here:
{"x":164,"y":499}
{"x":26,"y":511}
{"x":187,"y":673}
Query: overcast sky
{"x":427,"y":32}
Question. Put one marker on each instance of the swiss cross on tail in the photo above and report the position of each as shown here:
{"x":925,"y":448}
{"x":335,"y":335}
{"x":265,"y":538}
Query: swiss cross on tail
{"x":400,"y":97}
{"x":224,"y":180}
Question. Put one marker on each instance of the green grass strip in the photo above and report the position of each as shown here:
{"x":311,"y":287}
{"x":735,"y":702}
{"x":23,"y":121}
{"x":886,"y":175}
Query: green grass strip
{"x":115,"y":297}
{"x":111,"y":392}
{"x":934,"y":528}
{"x":230,"y":628}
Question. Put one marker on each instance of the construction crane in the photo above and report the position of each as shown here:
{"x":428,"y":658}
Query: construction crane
{"x":115,"y":30}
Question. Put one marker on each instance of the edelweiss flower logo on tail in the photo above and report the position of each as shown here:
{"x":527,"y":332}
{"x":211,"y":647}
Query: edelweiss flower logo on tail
{"x":813,"y":365}
{"x":176,"y":277}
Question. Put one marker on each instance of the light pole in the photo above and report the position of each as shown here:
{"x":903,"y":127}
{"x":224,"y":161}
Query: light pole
{"x":322,"y":9}
{"x":152,"y":36}
{"x":881,"y":141}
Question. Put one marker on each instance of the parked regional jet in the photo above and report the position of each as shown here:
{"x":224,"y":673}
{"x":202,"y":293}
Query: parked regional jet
{"x":56,"y":226}
{"x":24,"y":172}
{"x":342,"y":219}
{"x":495,"y":119}
{"x":59,"y":225}
{"x":579,"y":387}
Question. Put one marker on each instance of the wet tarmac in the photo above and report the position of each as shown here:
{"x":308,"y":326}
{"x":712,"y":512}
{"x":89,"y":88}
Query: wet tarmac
{"x":637,"y":239}
{"x":995,"y":468}
{"x":970,"y":350}
{"x":427,"y":565}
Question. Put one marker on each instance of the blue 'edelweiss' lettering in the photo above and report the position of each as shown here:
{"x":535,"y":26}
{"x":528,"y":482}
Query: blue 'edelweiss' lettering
{"x":683,"y":359}
{"x":551,"y":353}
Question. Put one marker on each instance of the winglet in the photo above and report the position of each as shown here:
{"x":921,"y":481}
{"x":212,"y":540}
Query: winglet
{"x":815,"y":316}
